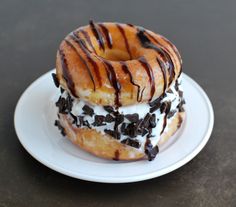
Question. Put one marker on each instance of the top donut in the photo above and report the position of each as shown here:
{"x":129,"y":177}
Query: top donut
{"x":116,"y":64}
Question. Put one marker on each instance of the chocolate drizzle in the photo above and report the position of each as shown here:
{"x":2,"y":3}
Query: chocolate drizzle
{"x":66,"y":73}
{"x":113,"y":80}
{"x":146,"y":43}
{"x":97,"y":34}
{"x":117,"y":155}
{"x":81,"y":44}
{"x":107,"y":34}
{"x":149,"y":71}
{"x":84,"y":62}
{"x":126,"y":70}
{"x":163,"y":73}
{"x":125,"y":39}
{"x":86,"y":36}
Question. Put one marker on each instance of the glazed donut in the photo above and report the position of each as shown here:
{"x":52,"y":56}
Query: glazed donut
{"x":116,"y":64}
{"x":121,"y":90}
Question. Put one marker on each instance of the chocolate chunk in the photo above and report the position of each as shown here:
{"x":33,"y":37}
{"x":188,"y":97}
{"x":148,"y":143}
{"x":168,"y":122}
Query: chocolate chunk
{"x":165,"y":107}
{"x":86,"y":123}
{"x":156,"y":101}
{"x":81,"y":120}
{"x":180,"y":94}
{"x":109,"y":118}
{"x":122,"y":128}
{"x":131,"y":142}
{"x":150,"y":151}
{"x":131,"y":130}
{"x":88,"y":110}
{"x":155,"y":107}
{"x":144,"y":132}
{"x":153,"y":121}
{"x":62,"y":90}
{"x":138,"y":127}
{"x":112,"y":133}
{"x":171,"y":113}
{"x":55,"y":80}
{"x":169,"y":91}
{"x":119,"y":119}
{"x":176,"y":85}
{"x":99,"y":120}
{"x":132,"y":117}
{"x":74,"y":118}
{"x":64,"y":105}
{"x":146,"y":122}
{"x":60,"y":127}
{"x":108,"y":109}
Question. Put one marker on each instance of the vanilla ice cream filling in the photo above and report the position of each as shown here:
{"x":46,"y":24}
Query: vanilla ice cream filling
{"x":172,"y":95}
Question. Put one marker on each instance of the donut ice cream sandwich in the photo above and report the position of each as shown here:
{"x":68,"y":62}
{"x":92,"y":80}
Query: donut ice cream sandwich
{"x":121,"y":90}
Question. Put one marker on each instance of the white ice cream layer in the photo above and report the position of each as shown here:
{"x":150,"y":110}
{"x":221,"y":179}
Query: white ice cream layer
{"x":141,"y":109}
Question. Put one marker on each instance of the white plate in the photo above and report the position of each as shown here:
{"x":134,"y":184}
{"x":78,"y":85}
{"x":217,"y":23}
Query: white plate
{"x":34,"y":123}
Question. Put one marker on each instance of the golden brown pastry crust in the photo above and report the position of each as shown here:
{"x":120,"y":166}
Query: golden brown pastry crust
{"x":104,"y":146}
{"x":81,"y":69}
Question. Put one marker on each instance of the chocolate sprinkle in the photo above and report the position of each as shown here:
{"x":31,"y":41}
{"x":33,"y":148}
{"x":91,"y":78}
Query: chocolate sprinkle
{"x":153,"y":121}
{"x":99,"y":120}
{"x":131,"y":142}
{"x":112,"y":133}
{"x":109,"y":109}
{"x":132,"y":117}
{"x":64,"y":105}
{"x":60,"y":127}
{"x":171,"y":113}
{"x":150,"y":151}
{"x":62,"y":90}
{"x":88,"y":110}
{"x":109,"y":118}
{"x":55,"y":80}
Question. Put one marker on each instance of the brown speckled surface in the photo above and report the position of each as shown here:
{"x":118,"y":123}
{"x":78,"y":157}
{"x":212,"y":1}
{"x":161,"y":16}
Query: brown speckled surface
{"x":204,"y":32}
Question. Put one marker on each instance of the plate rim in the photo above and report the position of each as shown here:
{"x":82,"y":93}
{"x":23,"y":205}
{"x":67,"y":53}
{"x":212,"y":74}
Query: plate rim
{"x":127,"y":179}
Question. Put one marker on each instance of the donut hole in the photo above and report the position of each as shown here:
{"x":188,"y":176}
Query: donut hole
{"x":115,"y":55}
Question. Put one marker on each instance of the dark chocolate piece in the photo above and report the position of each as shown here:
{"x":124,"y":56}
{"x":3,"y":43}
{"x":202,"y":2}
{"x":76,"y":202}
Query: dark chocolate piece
{"x":132,"y":117}
{"x":55,"y":80}
{"x":150,"y":151}
{"x":108,"y":109}
{"x":112,"y":133}
{"x":86,"y":123}
{"x":109,"y":118}
{"x":131,"y":142}
{"x":60,"y":127}
{"x":99,"y":120}
{"x":165,"y":107}
{"x":171,"y":113}
{"x":74,"y":119}
{"x":153,"y":121}
{"x":88,"y":110}
{"x":62,"y":90}
{"x":64,"y":105}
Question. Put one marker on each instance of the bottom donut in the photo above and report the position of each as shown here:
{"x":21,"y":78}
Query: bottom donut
{"x":105,"y":146}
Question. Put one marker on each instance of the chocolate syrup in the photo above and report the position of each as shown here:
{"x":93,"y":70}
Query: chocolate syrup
{"x":66,"y":73}
{"x":146,"y":43}
{"x":163,"y":73}
{"x":125,"y":39}
{"x":149,"y":71}
{"x":107,"y":35}
{"x":97,"y":34}
{"x":88,"y":39}
{"x":126,"y":70}
{"x":113,"y":80}
{"x":117,"y":155}
{"x":84,"y":62}
{"x":82,"y":45}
